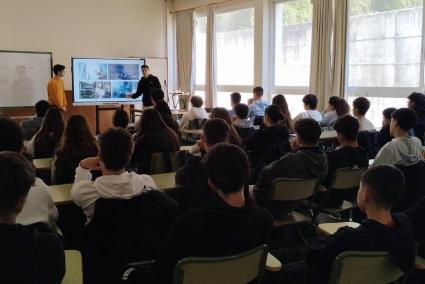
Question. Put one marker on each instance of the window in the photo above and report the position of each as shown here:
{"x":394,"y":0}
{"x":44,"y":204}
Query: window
{"x":200,"y":54}
{"x":223,"y":99}
{"x":292,"y":43}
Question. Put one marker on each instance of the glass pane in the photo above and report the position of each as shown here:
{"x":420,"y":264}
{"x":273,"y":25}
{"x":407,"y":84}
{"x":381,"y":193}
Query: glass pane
{"x":235,"y":47}
{"x":384,"y":43}
{"x":201,"y":94}
{"x":201,"y":49}
{"x":293,"y":42}
{"x":223,"y":99}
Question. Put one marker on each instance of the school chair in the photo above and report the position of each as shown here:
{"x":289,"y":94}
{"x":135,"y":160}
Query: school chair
{"x":167,"y":162}
{"x":352,"y":267}
{"x":74,"y":267}
{"x":235,"y":269}
{"x":414,"y":187}
{"x":197,"y":123}
{"x":369,"y":141}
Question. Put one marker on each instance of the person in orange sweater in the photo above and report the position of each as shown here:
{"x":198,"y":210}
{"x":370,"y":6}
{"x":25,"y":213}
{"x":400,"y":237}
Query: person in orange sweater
{"x":56,"y":88}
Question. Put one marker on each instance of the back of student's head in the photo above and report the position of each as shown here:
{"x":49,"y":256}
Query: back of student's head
{"x":235,"y":98}
{"x":58,"y":68}
{"x":362,"y":105}
{"x":388,"y":112}
{"x":259,"y":91}
{"x":77,"y":134}
{"x":221,"y":112}
{"x":348,"y":127}
{"x":157,"y":95}
{"x":116,"y":146}
{"x":386,"y":185}
{"x":227,"y":167}
{"x":308,"y":131}
{"x":53,"y":123}
{"x":151,"y":120}
{"x":274,"y":113}
{"x":17,"y":175}
{"x":310,"y":100}
{"x":41,"y":108}
{"x":340,"y":105}
{"x":162,"y":107}
{"x":196,"y":101}
{"x":216,"y":130}
{"x":405,"y":117}
{"x":11,"y":135}
{"x":241,"y":111}
{"x":281,"y":102}
{"x":120,"y":118}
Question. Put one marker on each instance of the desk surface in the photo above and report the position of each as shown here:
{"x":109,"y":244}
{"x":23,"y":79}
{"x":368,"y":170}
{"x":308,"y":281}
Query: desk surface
{"x":192,"y":131}
{"x":272,"y":263}
{"x":61,"y":193}
{"x":331,"y":134}
{"x":40,"y":164}
{"x":331,"y":228}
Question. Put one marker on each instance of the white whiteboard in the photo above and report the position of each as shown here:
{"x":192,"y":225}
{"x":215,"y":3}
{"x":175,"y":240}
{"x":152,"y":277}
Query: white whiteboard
{"x":24,"y":77}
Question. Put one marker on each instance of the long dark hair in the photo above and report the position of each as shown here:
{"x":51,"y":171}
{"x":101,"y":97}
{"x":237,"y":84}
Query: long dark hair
{"x":275,"y":115}
{"x":340,"y":105}
{"x":220,"y":112}
{"x":48,"y":137}
{"x":419,"y":100}
{"x":281,"y":102}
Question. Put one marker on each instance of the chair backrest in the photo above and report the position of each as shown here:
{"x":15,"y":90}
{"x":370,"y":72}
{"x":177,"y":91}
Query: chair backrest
{"x":74,"y":267}
{"x":167,"y":162}
{"x":369,"y":141}
{"x":364,"y":267}
{"x":414,"y":188}
{"x":346,"y":178}
{"x":258,"y":120}
{"x":197,"y":123}
{"x":290,"y":189}
{"x":236,"y":269}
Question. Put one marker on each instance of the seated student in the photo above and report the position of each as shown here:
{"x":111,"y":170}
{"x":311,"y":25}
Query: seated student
{"x":120,"y":118}
{"x":348,"y":154}
{"x":220,"y":112}
{"x":195,"y":112}
{"x":27,"y":255}
{"x":152,"y":136}
{"x":416,"y":215}
{"x":39,"y":209}
{"x":416,"y":102}
{"x":380,"y":189}
{"x":360,"y":107}
{"x":257,"y":106}
{"x":280,"y":101}
{"x":337,"y":107}
{"x":31,"y":126}
{"x":157,"y":97}
{"x":235,"y":98}
{"x":230,"y":225}
{"x":115,"y":151}
{"x":384,"y":134}
{"x":44,"y":143}
{"x":310,"y":105}
{"x":307,"y":162}
{"x":242,"y":123}
{"x":77,"y":144}
{"x":402,"y":150}
{"x":192,"y":176}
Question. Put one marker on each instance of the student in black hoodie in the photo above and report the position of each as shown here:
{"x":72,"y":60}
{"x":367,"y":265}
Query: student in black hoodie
{"x":416,"y":102}
{"x":381,"y":187}
{"x":384,"y":135}
{"x":230,"y":225}
{"x":27,"y":256}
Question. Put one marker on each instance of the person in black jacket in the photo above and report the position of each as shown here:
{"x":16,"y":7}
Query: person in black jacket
{"x":146,"y":84}
{"x":416,"y":102}
{"x":27,"y":256}
{"x":384,"y":135}
{"x":381,"y":188}
{"x":229,"y":225}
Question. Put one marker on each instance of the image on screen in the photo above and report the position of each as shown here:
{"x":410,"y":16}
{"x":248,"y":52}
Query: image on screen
{"x":99,"y":81}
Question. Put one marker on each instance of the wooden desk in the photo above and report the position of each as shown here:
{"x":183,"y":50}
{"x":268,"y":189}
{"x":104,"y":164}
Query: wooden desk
{"x":42,"y":164}
{"x":165,"y":181}
{"x":272,"y":263}
{"x":192,"y":131}
{"x":331,"y":228}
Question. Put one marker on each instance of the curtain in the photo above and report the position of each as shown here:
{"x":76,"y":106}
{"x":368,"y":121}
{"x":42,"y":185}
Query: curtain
{"x":185,"y":43}
{"x":320,"y":72}
{"x":339,"y":44}
{"x":210,"y":83}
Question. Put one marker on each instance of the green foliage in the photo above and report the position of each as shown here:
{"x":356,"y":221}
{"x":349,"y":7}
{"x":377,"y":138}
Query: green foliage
{"x":297,"y":12}
{"x":360,"y":7}
{"x":234,"y":21}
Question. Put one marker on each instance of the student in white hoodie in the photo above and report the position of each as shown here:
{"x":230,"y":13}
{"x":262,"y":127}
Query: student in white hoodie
{"x":195,"y":112}
{"x":403,"y":149}
{"x":310,"y":105}
{"x":116,"y":146}
{"x":360,"y":107}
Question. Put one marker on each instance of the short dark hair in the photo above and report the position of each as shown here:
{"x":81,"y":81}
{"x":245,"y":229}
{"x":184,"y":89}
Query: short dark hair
{"x":259,"y":91}
{"x":144,"y":66}
{"x":58,"y":68}
{"x":196,"y":101}
{"x":274,"y":112}
{"x":362,"y":105}
{"x":310,"y":100}
{"x":41,"y":108}
{"x":116,"y":146}
{"x":120,"y":118}
{"x":157,"y":94}
{"x":216,"y":130}
{"x":17,"y":175}
{"x":12,"y":136}
{"x":386,"y":184}
{"x":235,"y":97}
{"x":308,"y":130}
{"x":388,"y":112}
{"x":348,"y":127}
{"x":405,"y":117}
{"x":241,"y":111}
{"x":227,"y":167}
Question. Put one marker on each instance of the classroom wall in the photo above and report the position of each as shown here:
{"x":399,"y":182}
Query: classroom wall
{"x":81,"y":28}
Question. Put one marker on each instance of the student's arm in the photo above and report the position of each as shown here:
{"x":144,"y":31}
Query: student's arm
{"x":384,"y":157}
{"x":82,"y":172}
{"x":53,"y":213}
{"x":184,"y":123}
{"x":30,"y":146}
{"x":138,"y":92}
